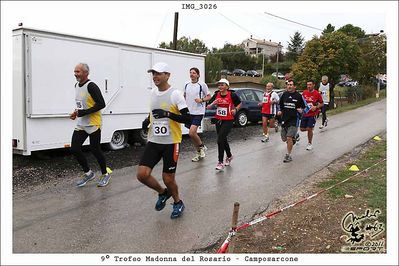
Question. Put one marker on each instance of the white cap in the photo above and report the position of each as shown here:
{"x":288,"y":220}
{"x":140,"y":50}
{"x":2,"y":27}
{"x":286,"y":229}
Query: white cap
{"x":224,"y":81}
{"x":160,"y":67}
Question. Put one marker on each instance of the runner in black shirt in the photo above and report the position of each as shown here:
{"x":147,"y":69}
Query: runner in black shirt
{"x":291,"y":106}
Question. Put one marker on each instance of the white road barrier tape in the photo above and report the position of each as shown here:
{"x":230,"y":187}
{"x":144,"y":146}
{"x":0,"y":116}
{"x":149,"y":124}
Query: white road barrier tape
{"x":232,"y":232}
{"x":260,"y":219}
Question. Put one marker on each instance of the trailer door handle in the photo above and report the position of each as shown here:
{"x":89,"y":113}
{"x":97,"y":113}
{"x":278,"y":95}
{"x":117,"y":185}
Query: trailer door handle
{"x":106,"y":85}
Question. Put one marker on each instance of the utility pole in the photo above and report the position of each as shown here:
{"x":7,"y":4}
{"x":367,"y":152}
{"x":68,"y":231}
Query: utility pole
{"x":278,"y":52}
{"x":175,"y":31}
{"x":263,"y":64}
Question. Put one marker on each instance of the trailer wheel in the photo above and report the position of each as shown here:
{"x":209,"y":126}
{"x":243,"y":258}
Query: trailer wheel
{"x":118,"y":140}
{"x":140,"y":136}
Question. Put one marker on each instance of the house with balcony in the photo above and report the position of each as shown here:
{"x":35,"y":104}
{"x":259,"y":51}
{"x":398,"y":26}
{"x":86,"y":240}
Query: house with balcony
{"x":256,"y":46}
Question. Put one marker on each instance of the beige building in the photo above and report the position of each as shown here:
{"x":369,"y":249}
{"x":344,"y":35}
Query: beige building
{"x":255,"y":46}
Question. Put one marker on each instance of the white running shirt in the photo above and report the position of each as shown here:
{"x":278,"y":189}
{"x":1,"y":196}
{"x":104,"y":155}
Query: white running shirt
{"x":192,"y":91}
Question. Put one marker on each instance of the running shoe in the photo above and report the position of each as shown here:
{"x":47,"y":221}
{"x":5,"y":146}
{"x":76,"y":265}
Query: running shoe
{"x":197,"y":157}
{"x":287,"y":158}
{"x":202,"y":151}
{"x":104,"y":180}
{"x":228,"y":160}
{"x":161,"y":202}
{"x":309,"y":147}
{"x":321,"y":126}
{"x":178,"y":209}
{"x":265,"y":138}
{"x":220,"y":166}
{"x":85,"y":179}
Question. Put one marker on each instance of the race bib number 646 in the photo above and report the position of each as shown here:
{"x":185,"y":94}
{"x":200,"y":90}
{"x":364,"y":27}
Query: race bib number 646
{"x":79,"y":105}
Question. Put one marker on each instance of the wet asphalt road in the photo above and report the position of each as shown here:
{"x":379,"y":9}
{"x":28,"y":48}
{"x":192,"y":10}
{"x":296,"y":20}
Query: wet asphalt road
{"x":121,"y":217}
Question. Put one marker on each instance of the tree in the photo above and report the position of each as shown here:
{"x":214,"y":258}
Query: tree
{"x":213,"y":65}
{"x":373,"y":58}
{"x":187,"y":45}
{"x":330,"y":28}
{"x":295,"y":46}
{"x":353,"y":31}
{"x":332,"y":55}
{"x":273,"y":58}
{"x":233,"y":56}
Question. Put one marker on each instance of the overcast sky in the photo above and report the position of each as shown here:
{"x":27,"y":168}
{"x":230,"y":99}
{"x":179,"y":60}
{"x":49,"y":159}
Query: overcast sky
{"x":150,"y":23}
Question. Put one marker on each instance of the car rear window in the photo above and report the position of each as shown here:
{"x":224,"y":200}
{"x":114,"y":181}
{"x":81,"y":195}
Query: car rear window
{"x":259,"y":94}
{"x":248,"y":95}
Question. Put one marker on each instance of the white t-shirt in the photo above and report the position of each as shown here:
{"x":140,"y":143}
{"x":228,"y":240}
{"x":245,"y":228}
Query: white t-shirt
{"x":192,"y":92}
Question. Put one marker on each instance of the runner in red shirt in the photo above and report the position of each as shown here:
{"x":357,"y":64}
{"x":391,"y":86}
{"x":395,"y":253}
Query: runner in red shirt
{"x":314,"y":103}
{"x":227,"y":103}
{"x":269,"y":109}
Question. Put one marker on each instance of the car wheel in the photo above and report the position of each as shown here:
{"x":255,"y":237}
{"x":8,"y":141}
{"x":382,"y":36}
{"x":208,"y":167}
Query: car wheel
{"x":118,"y":140}
{"x":241,"y":119}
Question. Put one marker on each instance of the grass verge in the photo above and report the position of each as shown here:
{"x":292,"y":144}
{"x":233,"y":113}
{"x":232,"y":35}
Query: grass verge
{"x":349,"y":107}
{"x":373,"y":181}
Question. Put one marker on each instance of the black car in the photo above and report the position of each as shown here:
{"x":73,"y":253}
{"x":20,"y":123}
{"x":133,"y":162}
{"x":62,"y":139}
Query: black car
{"x":252,"y":73}
{"x":250,"y":110}
{"x":238,"y":72}
{"x":225,"y":72}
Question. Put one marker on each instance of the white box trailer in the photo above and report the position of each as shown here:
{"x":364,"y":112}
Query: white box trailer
{"x":43,"y":86}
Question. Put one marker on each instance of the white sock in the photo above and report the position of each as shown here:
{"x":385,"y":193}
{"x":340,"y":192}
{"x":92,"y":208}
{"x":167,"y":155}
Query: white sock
{"x":89,"y":173}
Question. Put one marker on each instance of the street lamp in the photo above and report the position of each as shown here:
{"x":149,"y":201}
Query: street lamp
{"x":378,"y":87}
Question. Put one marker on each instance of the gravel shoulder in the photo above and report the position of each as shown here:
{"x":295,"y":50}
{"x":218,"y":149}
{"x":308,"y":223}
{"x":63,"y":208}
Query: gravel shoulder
{"x":59,"y":167}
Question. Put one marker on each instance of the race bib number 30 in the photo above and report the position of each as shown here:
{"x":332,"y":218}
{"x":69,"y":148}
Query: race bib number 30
{"x":160,"y":128}
{"x":221,"y":111}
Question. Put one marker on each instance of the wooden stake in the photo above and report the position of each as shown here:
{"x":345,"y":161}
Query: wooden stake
{"x":234,"y":222}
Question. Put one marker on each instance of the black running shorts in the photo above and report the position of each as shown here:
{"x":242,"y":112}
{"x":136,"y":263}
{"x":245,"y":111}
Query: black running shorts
{"x":154,"y":152}
{"x":268,"y":116}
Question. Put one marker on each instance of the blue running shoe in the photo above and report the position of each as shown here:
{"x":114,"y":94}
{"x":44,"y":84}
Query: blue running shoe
{"x":104,"y":180}
{"x":85,"y":179}
{"x":161,"y":202}
{"x":178,"y":209}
